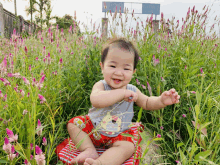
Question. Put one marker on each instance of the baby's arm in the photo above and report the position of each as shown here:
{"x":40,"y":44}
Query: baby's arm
{"x":101,"y":98}
{"x":155,"y":103}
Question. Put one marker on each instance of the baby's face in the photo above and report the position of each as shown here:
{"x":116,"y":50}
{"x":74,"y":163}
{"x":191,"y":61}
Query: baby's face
{"x":119,"y":64}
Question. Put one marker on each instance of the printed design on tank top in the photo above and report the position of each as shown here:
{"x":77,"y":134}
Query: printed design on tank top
{"x":111,"y":124}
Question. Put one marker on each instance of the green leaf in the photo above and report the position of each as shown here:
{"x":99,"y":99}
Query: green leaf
{"x":198,"y":97}
{"x":127,"y":135}
{"x":189,"y":131}
{"x":174,"y":119}
{"x":182,"y":156}
{"x":204,"y":154}
{"x":140,"y":114}
{"x":157,"y":139}
{"x":179,"y":144}
{"x":3,"y":161}
{"x":197,"y":110}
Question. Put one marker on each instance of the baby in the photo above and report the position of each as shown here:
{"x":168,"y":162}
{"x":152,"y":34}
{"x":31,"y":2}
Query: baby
{"x":112,"y":108}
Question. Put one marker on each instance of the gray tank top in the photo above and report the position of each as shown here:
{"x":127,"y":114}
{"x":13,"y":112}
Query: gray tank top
{"x":113,"y":120}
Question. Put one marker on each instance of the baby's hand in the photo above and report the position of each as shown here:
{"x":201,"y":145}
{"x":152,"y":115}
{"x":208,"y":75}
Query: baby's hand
{"x":170,"y":97}
{"x":130,"y":96}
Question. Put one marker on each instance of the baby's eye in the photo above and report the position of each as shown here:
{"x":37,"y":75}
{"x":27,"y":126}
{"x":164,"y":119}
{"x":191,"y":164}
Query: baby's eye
{"x":126,"y":69}
{"x":112,"y":66}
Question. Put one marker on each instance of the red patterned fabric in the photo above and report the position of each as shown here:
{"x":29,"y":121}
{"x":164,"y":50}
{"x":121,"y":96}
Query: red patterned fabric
{"x":98,"y":139}
{"x":66,"y":150}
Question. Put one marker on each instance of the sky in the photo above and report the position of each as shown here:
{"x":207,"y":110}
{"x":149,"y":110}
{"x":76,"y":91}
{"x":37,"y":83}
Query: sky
{"x":87,"y":10}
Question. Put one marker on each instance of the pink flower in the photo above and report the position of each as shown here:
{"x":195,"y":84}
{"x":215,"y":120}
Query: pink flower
{"x":44,"y":141}
{"x":149,"y":89}
{"x":1,"y":95}
{"x":161,"y":127}
{"x":26,"y":162}
{"x":31,"y":146}
{"x":137,"y":82}
{"x":184,"y":115}
{"x":25,"y":112}
{"x":11,"y":135}
{"x":42,"y":79}
{"x":158,"y":135}
{"x":10,"y":75}
{"x":185,"y":67}
{"x":41,"y":98}
{"x":26,"y":81}
{"x":162,"y":79}
{"x":61,"y":61}
{"x":36,"y":58}
{"x":193,"y":92}
{"x":143,"y":86}
{"x":31,"y":157}
{"x":201,"y":70}
{"x":25,"y":49}
{"x":156,"y":61}
{"x":22,"y":92}
{"x":39,"y":128}
{"x":5,"y":82}
{"x":5,"y":97}
{"x":7,"y":146}
{"x":40,"y":157}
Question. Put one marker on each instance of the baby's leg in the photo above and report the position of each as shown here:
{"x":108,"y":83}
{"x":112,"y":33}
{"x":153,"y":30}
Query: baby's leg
{"x":116,"y":155}
{"x":87,"y":148}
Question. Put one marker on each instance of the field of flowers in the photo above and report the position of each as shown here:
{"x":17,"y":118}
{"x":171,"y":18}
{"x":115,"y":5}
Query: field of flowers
{"x":46,"y":79}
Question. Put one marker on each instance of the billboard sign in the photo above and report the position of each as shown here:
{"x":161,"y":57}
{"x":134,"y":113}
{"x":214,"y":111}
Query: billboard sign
{"x":139,"y":8}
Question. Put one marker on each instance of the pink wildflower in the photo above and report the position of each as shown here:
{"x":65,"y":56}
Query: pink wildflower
{"x":26,"y":81}
{"x":31,"y":146}
{"x":143,"y":86}
{"x":61,"y":61}
{"x":42,"y":79}
{"x":22,"y":92}
{"x":39,"y":128}
{"x":1,"y":95}
{"x":25,"y":112}
{"x":41,"y":98}
{"x":31,"y":157}
{"x":10,"y":75}
{"x":7,"y":146}
{"x":158,"y":135}
{"x":162,"y":127}
{"x":156,"y":61}
{"x":193,"y":92}
{"x":185,"y":67}
{"x":5,"y":82}
{"x":184,"y":115}
{"x":11,"y":135}
{"x":5,"y":97}
{"x":26,"y":162}
{"x":137,"y":82}
{"x":11,"y":156}
{"x":149,"y":89}
{"x":40,"y":157}
{"x":162,"y":79}
{"x":25,"y":49}
{"x":201,"y":70}
{"x":36,"y":58}
{"x":44,"y":141}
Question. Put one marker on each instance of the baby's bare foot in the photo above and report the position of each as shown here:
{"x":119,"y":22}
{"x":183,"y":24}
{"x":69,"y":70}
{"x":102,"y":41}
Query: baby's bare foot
{"x":90,"y":161}
{"x":87,"y":153}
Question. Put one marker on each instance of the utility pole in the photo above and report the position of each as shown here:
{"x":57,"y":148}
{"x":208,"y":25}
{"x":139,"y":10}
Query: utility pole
{"x":15,"y":7}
